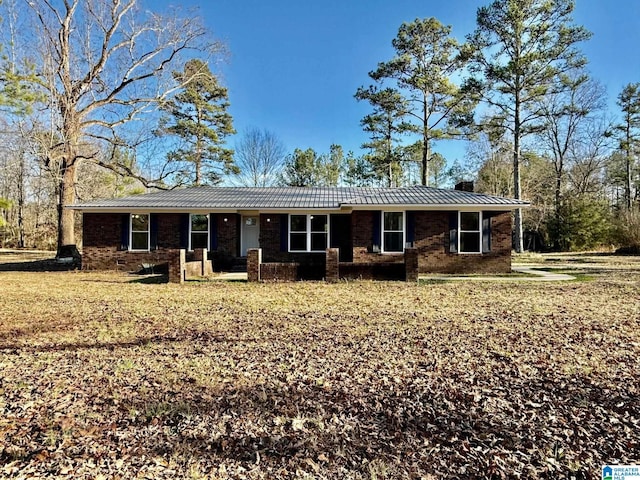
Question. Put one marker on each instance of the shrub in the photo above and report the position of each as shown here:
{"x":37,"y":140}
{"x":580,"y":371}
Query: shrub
{"x":585,"y":224}
{"x":627,"y":231}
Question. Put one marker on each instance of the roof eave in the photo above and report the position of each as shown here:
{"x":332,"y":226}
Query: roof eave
{"x":398,"y":206}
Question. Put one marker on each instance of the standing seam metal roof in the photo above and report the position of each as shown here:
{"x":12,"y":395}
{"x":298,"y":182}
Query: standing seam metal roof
{"x":298,"y":198}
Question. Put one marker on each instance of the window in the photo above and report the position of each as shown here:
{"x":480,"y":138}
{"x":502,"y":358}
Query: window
{"x":319,"y":229}
{"x":392,"y":232}
{"x":139,"y":231}
{"x":298,"y":233}
{"x":199,"y":237}
{"x":308,"y":233}
{"x":470,"y":232}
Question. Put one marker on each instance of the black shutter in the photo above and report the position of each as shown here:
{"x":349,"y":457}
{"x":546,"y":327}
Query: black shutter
{"x":213,"y":232}
{"x":184,"y":230}
{"x":453,"y":232}
{"x":411,"y":227}
{"x":284,"y":232}
{"x":153,"y":231}
{"x":124,"y":231}
{"x":376,"y":237}
{"x":486,"y":232}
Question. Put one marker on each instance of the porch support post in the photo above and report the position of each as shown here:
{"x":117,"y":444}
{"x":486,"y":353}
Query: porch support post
{"x":177,"y":265}
{"x":254,"y":259}
{"x":411,"y":264}
{"x":332,"y":268}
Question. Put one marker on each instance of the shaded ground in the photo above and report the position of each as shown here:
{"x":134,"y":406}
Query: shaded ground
{"x":32,"y":261}
{"x":100,"y":375}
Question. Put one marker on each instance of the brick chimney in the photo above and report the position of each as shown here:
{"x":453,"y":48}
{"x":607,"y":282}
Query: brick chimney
{"x":464,"y":186}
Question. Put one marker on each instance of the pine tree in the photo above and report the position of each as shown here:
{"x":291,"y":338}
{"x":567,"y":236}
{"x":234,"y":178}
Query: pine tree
{"x":522,"y":46}
{"x":426,"y":62}
{"x":385,"y":125}
{"x":198,"y":116}
{"x":629,"y":135}
{"x":307,"y":168}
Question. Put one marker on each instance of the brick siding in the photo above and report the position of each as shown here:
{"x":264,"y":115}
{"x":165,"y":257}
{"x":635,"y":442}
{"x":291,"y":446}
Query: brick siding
{"x":101,"y":230}
{"x":432,"y":243}
{"x":102,"y":238}
{"x":372,"y":271}
{"x":110,"y":258}
{"x":279,"y":272}
{"x":228,"y":234}
{"x":169,"y":230}
{"x":270,"y":238}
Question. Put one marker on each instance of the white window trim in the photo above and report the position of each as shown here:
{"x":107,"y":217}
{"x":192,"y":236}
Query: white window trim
{"x":148,"y":231}
{"x":307,"y":231}
{"x":382,"y":231}
{"x":199,"y":232}
{"x":460,"y":232}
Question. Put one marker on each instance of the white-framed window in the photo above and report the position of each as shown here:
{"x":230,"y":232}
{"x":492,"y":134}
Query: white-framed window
{"x":308,"y":233}
{"x":198,"y":231}
{"x":393,"y":232}
{"x":469,"y":232}
{"x":139,"y":232}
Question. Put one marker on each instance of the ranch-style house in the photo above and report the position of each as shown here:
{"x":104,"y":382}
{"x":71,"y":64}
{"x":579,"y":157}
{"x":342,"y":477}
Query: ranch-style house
{"x":373,"y":229}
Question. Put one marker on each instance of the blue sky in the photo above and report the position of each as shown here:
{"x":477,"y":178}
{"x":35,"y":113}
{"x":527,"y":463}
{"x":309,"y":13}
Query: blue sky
{"x":294,"y":65}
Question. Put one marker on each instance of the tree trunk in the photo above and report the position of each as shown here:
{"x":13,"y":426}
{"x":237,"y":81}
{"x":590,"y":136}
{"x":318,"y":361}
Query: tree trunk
{"x":389,"y":141}
{"x":519,"y":242}
{"x":66,"y":196}
{"x":198,"y":179}
{"x":21,"y":196}
{"x":558,"y":216}
{"x":627,"y":186}
{"x":425,"y":143}
{"x":198,"y":164}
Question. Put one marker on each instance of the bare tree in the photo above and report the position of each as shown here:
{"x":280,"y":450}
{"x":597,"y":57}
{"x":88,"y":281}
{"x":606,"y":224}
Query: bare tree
{"x":17,"y":99}
{"x":589,"y":157}
{"x":103,"y":64}
{"x":259,"y":154}
{"x":567,"y":112}
{"x":491,"y":159}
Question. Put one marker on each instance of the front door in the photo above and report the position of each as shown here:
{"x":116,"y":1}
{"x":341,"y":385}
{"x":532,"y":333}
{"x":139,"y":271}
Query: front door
{"x":250,"y":233}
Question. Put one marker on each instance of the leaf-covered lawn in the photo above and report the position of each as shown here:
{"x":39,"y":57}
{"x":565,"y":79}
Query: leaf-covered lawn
{"x":102,"y":376}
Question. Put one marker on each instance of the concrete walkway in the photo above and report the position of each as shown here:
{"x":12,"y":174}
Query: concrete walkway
{"x":543,"y":275}
{"x":540,"y":276}
{"x":230,"y":276}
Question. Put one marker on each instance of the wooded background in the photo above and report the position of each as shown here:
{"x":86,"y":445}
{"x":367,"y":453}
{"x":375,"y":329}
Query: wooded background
{"x":101,"y":98}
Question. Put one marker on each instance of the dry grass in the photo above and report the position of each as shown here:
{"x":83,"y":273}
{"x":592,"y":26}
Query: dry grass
{"x":102,"y":374}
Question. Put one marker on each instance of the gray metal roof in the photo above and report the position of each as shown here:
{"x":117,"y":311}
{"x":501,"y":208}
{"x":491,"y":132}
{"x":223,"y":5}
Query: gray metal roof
{"x":273,"y":198}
